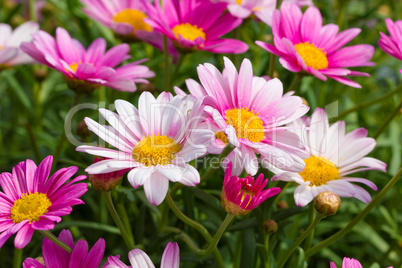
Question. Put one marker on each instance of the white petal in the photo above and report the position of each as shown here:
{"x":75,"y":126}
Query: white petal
{"x":156,"y":188}
{"x":171,"y":256}
{"x":139,"y":259}
{"x":303,"y":195}
{"x":104,"y":152}
{"x":138,"y":176}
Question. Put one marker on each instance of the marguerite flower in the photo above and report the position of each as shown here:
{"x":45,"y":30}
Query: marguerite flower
{"x":304,"y":45}
{"x":241,"y":195}
{"x":392,"y":45}
{"x":155,"y":141}
{"x":30,"y":200}
{"x":333,"y":155}
{"x":139,"y":259}
{"x":54,"y":256}
{"x":196,"y":25}
{"x":248,"y":112}
{"x":10,"y":52}
{"x":349,"y":263}
{"x":87,"y":68}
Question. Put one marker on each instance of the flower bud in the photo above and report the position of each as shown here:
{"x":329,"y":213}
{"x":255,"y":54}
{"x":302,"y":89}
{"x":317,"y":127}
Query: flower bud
{"x":105,"y":181}
{"x":82,"y":130}
{"x":40,"y":73}
{"x":270,"y":226}
{"x":282,"y":205}
{"x":327,"y":203}
{"x":40,"y":260}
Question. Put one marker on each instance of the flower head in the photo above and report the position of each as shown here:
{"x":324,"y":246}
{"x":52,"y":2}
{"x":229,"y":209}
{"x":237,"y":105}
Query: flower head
{"x":154,"y":141}
{"x":196,"y":25}
{"x":54,"y":256}
{"x":304,"y":45}
{"x":106,"y":181}
{"x":248,"y":112}
{"x":30,"y":200}
{"x":241,"y":195}
{"x":392,"y":45}
{"x":349,"y":263}
{"x":138,"y":258}
{"x":87,"y":68}
{"x":10,"y":52}
{"x":332,"y":156}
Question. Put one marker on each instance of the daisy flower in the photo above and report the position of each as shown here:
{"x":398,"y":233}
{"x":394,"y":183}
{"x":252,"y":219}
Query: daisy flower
{"x":30,"y":200}
{"x":155,"y":141}
{"x":241,"y":195}
{"x":249,"y":112}
{"x":90,"y":68}
{"x":349,"y":263}
{"x":333,"y":155}
{"x":304,"y":45}
{"x":196,"y":25}
{"x":10,"y":52}
{"x":54,"y":256}
{"x":139,"y":259}
{"x":392,"y":45}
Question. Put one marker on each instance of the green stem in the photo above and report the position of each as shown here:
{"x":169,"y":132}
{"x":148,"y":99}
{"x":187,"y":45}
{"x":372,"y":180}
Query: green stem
{"x":166,"y":59}
{"x":295,"y":82}
{"x":309,"y":239}
{"x":55,"y":240}
{"x":187,"y":239}
{"x":271,"y":68}
{"x":300,"y":239}
{"x":384,"y":125}
{"x":109,"y":203}
{"x":34,"y":143}
{"x":17,"y":261}
{"x":126,"y":221}
{"x":267,"y":237}
{"x":365,"y":104}
{"x":332,"y":239}
{"x":32,"y":11}
{"x":225,"y":152}
{"x":177,"y":65}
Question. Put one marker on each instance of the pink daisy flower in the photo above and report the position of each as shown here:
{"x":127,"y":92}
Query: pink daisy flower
{"x":54,"y":256}
{"x":332,"y":156}
{"x":241,"y":195}
{"x":304,"y":45}
{"x":10,"y":52}
{"x":92,"y":67}
{"x":392,"y":45}
{"x":196,"y":25}
{"x":249,"y":112}
{"x":349,"y":263}
{"x":30,"y":200}
{"x":155,"y":141}
{"x":139,"y":259}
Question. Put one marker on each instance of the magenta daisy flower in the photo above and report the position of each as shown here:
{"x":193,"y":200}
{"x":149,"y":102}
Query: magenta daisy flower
{"x":93,"y":66}
{"x":241,"y":195}
{"x":392,"y":45}
{"x":30,"y":200}
{"x":304,"y":45}
{"x":138,"y":258}
{"x":10,"y":52}
{"x":155,"y":141}
{"x":196,"y":25}
{"x":249,"y":112}
{"x":333,"y":155}
{"x":349,"y":263}
{"x":54,"y":256}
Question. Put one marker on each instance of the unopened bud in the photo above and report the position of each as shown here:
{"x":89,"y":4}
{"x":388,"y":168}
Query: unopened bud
{"x":40,"y":260}
{"x":304,"y":101}
{"x":270,"y":226}
{"x":40,"y":74}
{"x":105,"y":181}
{"x":327,"y":203}
{"x":147,"y":87}
{"x":282,"y":205}
{"x":82,"y":129}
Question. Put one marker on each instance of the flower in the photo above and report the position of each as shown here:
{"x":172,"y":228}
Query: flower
{"x":304,"y":45}
{"x":392,"y":45}
{"x":262,"y":9}
{"x":195,"y":25}
{"x":54,"y":256}
{"x":155,"y":141}
{"x":332,"y":156}
{"x":248,"y":112}
{"x":105,"y":181}
{"x":349,"y":263}
{"x":87,"y":68}
{"x":241,"y":195}
{"x":138,"y":258}
{"x":10,"y":52}
{"x":31,"y":201}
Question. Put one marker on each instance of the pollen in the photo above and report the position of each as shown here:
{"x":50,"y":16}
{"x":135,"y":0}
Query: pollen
{"x":313,"y":57}
{"x":188,"y":31}
{"x":319,"y":171}
{"x":155,"y":150}
{"x":221,"y":136}
{"x":133,"y":17}
{"x":246,"y":123}
{"x":30,"y":207}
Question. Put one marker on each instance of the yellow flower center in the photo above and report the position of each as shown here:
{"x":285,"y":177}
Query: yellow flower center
{"x":246,"y":123}
{"x":1,"y":47}
{"x":30,"y":207}
{"x":188,"y":31}
{"x":74,"y":66}
{"x":221,"y":136}
{"x":313,"y":57}
{"x":238,"y":2}
{"x":133,"y":17}
{"x":319,"y":171}
{"x":155,"y":150}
